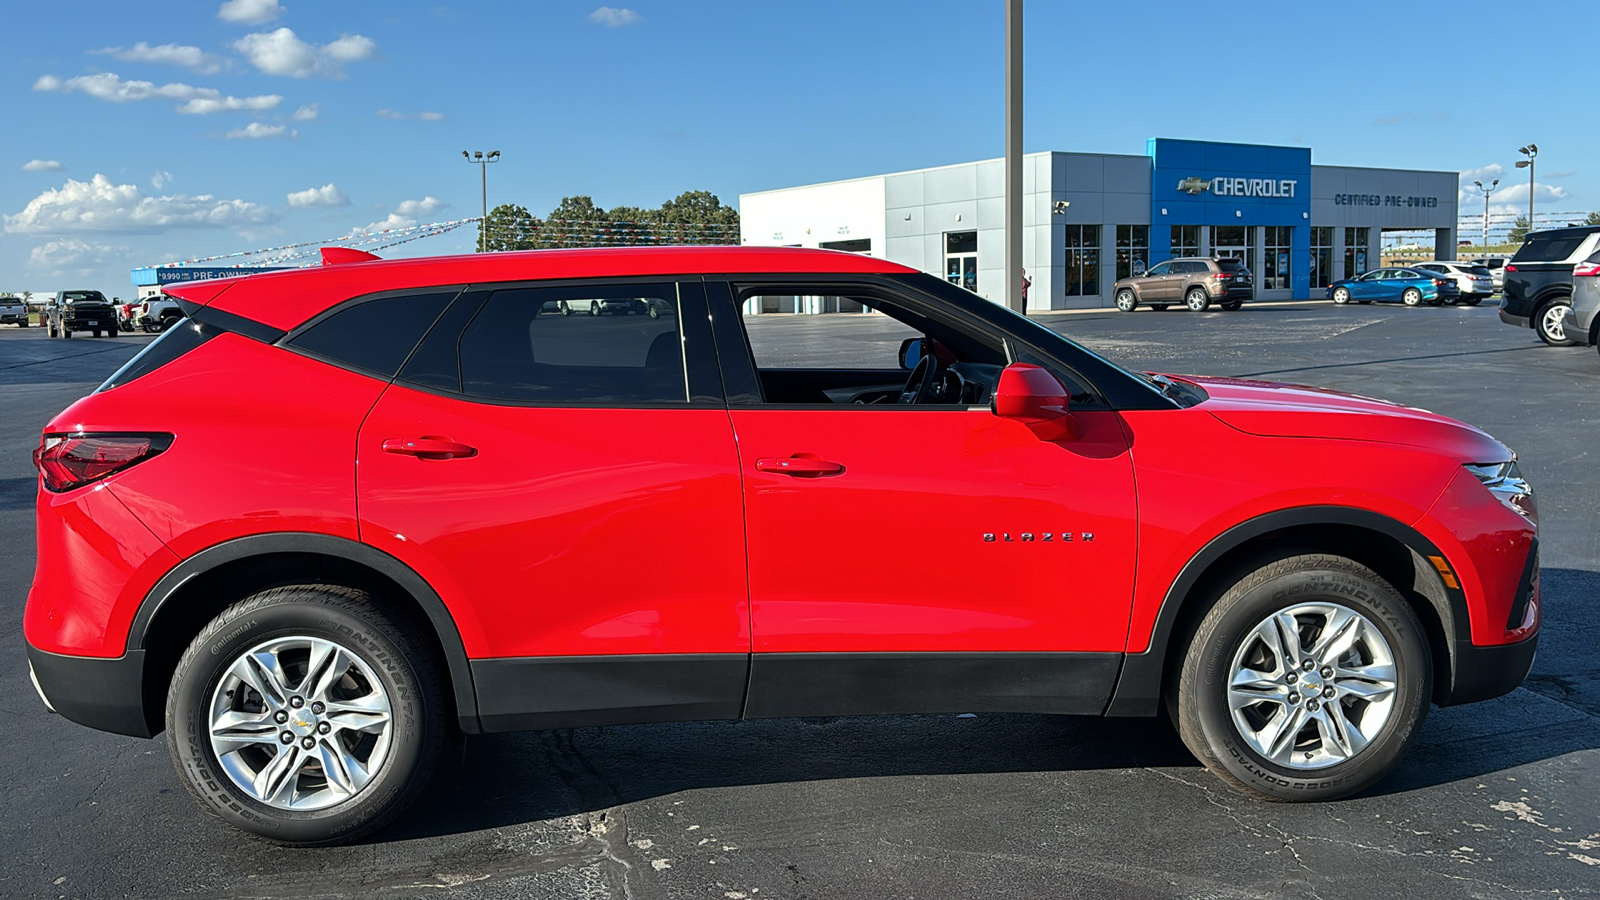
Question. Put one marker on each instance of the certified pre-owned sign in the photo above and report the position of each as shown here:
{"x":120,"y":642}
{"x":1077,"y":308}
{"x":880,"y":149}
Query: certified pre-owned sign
{"x":1239,"y":187}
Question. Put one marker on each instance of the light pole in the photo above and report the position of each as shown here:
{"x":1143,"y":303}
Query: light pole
{"x":1013,"y":293}
{"x":1530,"y":152}
{"x":1486,"y":192}
{"x":478,"y":159}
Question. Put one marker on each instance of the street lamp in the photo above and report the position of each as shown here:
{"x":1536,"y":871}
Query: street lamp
{"x":1486,"y":192}
{"x":1530,"y":152}
{"x":478,"y":159}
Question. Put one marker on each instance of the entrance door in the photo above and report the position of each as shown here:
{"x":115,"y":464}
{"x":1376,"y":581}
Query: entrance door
{"x":918,"y":557}
{"x":574,"y":504}
{"x":1234,"y":242}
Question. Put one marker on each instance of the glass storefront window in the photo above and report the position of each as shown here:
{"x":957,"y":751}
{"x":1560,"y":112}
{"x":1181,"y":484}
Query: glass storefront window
{"x":1083,"y":260}
{"x":1236,"y":242}
{"x":1133,"y":250}
{"x":961,"y":259}
{"x":1321,"y":256}
{"x":1186,"y":240}
{"x":1275,"y":262}
{"x":1355,"y":251}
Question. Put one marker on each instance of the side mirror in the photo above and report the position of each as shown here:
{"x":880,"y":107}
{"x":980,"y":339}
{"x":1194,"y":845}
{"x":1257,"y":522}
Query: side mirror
{"x":1033,"y":396}
{"x":910,"y":353}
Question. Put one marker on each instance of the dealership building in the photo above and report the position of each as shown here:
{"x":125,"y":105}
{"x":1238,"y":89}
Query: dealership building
{"x":1090,"y":218}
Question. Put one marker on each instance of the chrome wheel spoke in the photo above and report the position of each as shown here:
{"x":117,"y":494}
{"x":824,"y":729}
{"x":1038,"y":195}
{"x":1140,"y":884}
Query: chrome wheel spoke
{"x":1366,"y":682}
{"x":275,"y":782}
{"x":1332,"y":726}
{"x":1280,"y":733}
{"x":233,"y":731}
{"x":262,"y":672}
{"x":327,"y":665}
{"x":1250,"y":687}
{"x":344,"y":772}
{"x":369,"y":713}
{"x":1339,"y":633}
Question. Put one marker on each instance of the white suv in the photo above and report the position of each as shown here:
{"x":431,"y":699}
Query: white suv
{"x":1475,"y":282}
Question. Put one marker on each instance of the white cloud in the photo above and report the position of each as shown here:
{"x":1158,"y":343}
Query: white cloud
{"x":305,"y":113}
{"x":111,"y":88}
{"x":612,"y":17}
{"x":63,"y":254}
{"x":282,"y":53}
{"x":250,"y":12}
{"x":42,"y":165}
{"x":327,"y":195}
{"x":168,"y":54}
{"x":160,"y":180}
{"x":256,"y":131}
{"x":99,"y":205}
{"x":396,"y":115}
{"x":404,"y":215}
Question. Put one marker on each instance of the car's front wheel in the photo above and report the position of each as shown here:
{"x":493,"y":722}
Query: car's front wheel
{"x":1126,"y":301}
{"x":1552,"y":323}
{"x":1308,"y":680}
{"x":303,"y":715}
{"x":1197,"y":299}
{"x":1341,"y":296}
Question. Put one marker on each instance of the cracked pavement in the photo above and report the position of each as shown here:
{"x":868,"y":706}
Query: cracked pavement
{"x":1497,"y":799}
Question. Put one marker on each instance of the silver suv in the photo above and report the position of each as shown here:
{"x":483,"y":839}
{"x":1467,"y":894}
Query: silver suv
{"x":1194,"y":281}
{"x":1583,"y":322}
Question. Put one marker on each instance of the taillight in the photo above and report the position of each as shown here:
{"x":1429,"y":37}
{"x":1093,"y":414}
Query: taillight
{"x":1586,"y":270}
{"x":1510,"y":268}
{"x":1438,"y":283}
{"x":1223,"y":276}
{"x":70,"y":461}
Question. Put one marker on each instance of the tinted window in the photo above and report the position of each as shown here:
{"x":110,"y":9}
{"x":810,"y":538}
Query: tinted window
{"x":1159,"y":269}
{"x":1230,"y":265}
{"x":593,"y":345}
{"x":374,"y":335}
{"x":1481,"y":271}
{"x":1552,"y":246}
{"x":82,"y":297}
{"x":177,"y":340}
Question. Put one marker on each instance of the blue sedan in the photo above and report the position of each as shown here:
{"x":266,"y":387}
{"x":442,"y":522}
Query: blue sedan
{"x":1409,"y":286}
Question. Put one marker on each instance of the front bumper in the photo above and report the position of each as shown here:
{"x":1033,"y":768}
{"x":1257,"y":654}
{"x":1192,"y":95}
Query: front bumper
{"x":102,"y":693}
{"x":1485,"y":672}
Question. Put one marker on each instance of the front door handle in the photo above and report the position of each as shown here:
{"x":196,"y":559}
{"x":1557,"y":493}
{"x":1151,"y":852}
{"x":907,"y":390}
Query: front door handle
{"x":429,"y":446}
{"x":800,"y":466}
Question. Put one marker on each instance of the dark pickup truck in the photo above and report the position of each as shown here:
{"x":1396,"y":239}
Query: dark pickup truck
{"x":70,"y":311}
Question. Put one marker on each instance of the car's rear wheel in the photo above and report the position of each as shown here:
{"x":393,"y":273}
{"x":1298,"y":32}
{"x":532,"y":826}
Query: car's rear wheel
{"x":1551,"y":323}
{"x":304,"y":716}
{"x":1197,"y":299}
{"x":66,"y":332}
{"x":1472,"y":302}
{"x":1308,"y":680}
{"x":1411,"y":297}
{"x":1341,"y":295}
{"x":594,"y":307}
{"x":1127,"y":301}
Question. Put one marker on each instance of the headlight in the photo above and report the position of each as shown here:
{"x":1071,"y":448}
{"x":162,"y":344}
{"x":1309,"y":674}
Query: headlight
{"x":1505,"y":481}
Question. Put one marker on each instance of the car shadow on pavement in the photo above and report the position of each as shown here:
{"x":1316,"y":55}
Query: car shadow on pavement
{"x":492,"y":781}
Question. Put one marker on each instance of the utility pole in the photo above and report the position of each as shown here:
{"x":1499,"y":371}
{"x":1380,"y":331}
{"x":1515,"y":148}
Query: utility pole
{"x":1013,"y":264}
{"x":478,"y":159}
{"x":1486,"y":192}
{"x":1530,"y":151}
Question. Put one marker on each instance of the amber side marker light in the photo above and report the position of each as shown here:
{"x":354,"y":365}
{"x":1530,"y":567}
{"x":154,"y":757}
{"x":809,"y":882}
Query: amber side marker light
{"x":1444,"y":571}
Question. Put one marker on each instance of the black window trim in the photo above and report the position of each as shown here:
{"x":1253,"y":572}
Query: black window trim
{"x":704,"y":391}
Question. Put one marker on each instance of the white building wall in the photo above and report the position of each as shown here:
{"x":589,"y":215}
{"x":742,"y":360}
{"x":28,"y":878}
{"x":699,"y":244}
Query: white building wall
{"x":816,"y":214}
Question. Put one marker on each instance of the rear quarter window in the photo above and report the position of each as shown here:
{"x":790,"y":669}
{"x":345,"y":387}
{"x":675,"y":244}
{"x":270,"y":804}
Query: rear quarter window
{"x":1229,"y":265}
{"x":176,"y":341}
{"x":374,"y":335}
{"x":1553,"y":247}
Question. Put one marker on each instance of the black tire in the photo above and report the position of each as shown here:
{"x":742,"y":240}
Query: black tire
{"x":23,"y":324}
{"x":1472,"y":302}
{"x":1205,"y":718}
{"x":1341,"y":295}
{"x":1411,"y":297}
{"x":66,"y":333}
{"x":594,"y":308}
{"x":1549,"y":322}
{"x":404,"y":671}
{"x":94,"y":333}
{"x":1364,"y":302}
{"x":112,"y":332}
{"x":565,"y":309}
{"x":1159,"y":307}
{"x":1197,"y":299}
{"x":1127,"y":300}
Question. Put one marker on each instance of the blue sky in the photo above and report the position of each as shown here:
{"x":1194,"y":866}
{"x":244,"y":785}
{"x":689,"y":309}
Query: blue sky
{"x":142,"y":133}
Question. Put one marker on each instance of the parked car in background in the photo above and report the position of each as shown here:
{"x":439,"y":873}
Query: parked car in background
{"x":1496,"y":266}
{"x":1538,"y":280}
{"x":126,"y":314}
{"x":210,"y":565}
{"x":1583,"y":323}
{"x":1412,"y":287}
{"x":70,"y":311}
{"x":13,"y":311}
{"x":158,"y":314}
{"x":1474,"y":282}
{"x":1196,"y":282}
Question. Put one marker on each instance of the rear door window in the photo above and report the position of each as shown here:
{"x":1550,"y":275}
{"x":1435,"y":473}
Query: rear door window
{"x":592,"y":346}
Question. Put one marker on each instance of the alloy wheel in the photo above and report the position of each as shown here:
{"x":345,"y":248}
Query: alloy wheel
{"x":1311,"y":686}
{"x":300,"y":723}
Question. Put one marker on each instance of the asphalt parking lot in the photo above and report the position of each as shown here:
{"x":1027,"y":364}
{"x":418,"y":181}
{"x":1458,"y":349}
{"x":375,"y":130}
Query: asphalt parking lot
{"x":1497,"y":799}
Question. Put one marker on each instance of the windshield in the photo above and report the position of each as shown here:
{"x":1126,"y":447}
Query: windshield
{"x":77,"y":296}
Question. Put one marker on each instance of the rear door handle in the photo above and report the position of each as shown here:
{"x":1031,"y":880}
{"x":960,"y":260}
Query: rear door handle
{"x":799,"y":466}
{"x":429,"y":446}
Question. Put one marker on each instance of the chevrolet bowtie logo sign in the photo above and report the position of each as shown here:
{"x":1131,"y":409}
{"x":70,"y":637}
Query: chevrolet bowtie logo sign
{"x":1193,"y":185}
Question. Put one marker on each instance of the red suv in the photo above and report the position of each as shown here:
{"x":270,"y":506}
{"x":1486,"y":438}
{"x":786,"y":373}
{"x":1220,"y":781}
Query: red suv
{"x":338,"y":513}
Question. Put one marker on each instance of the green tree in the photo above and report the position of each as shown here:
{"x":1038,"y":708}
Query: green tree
{"x":509,"y":227}
{"x":1519,"y":231}
{"x":576,"y":222}
{"x":1592,"y":218}
{"x":698,"y":217}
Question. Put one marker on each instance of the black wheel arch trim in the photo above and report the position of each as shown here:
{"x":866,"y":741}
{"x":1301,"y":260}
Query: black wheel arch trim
{"x":1139,"y":689}
{"x":432,"y":605}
